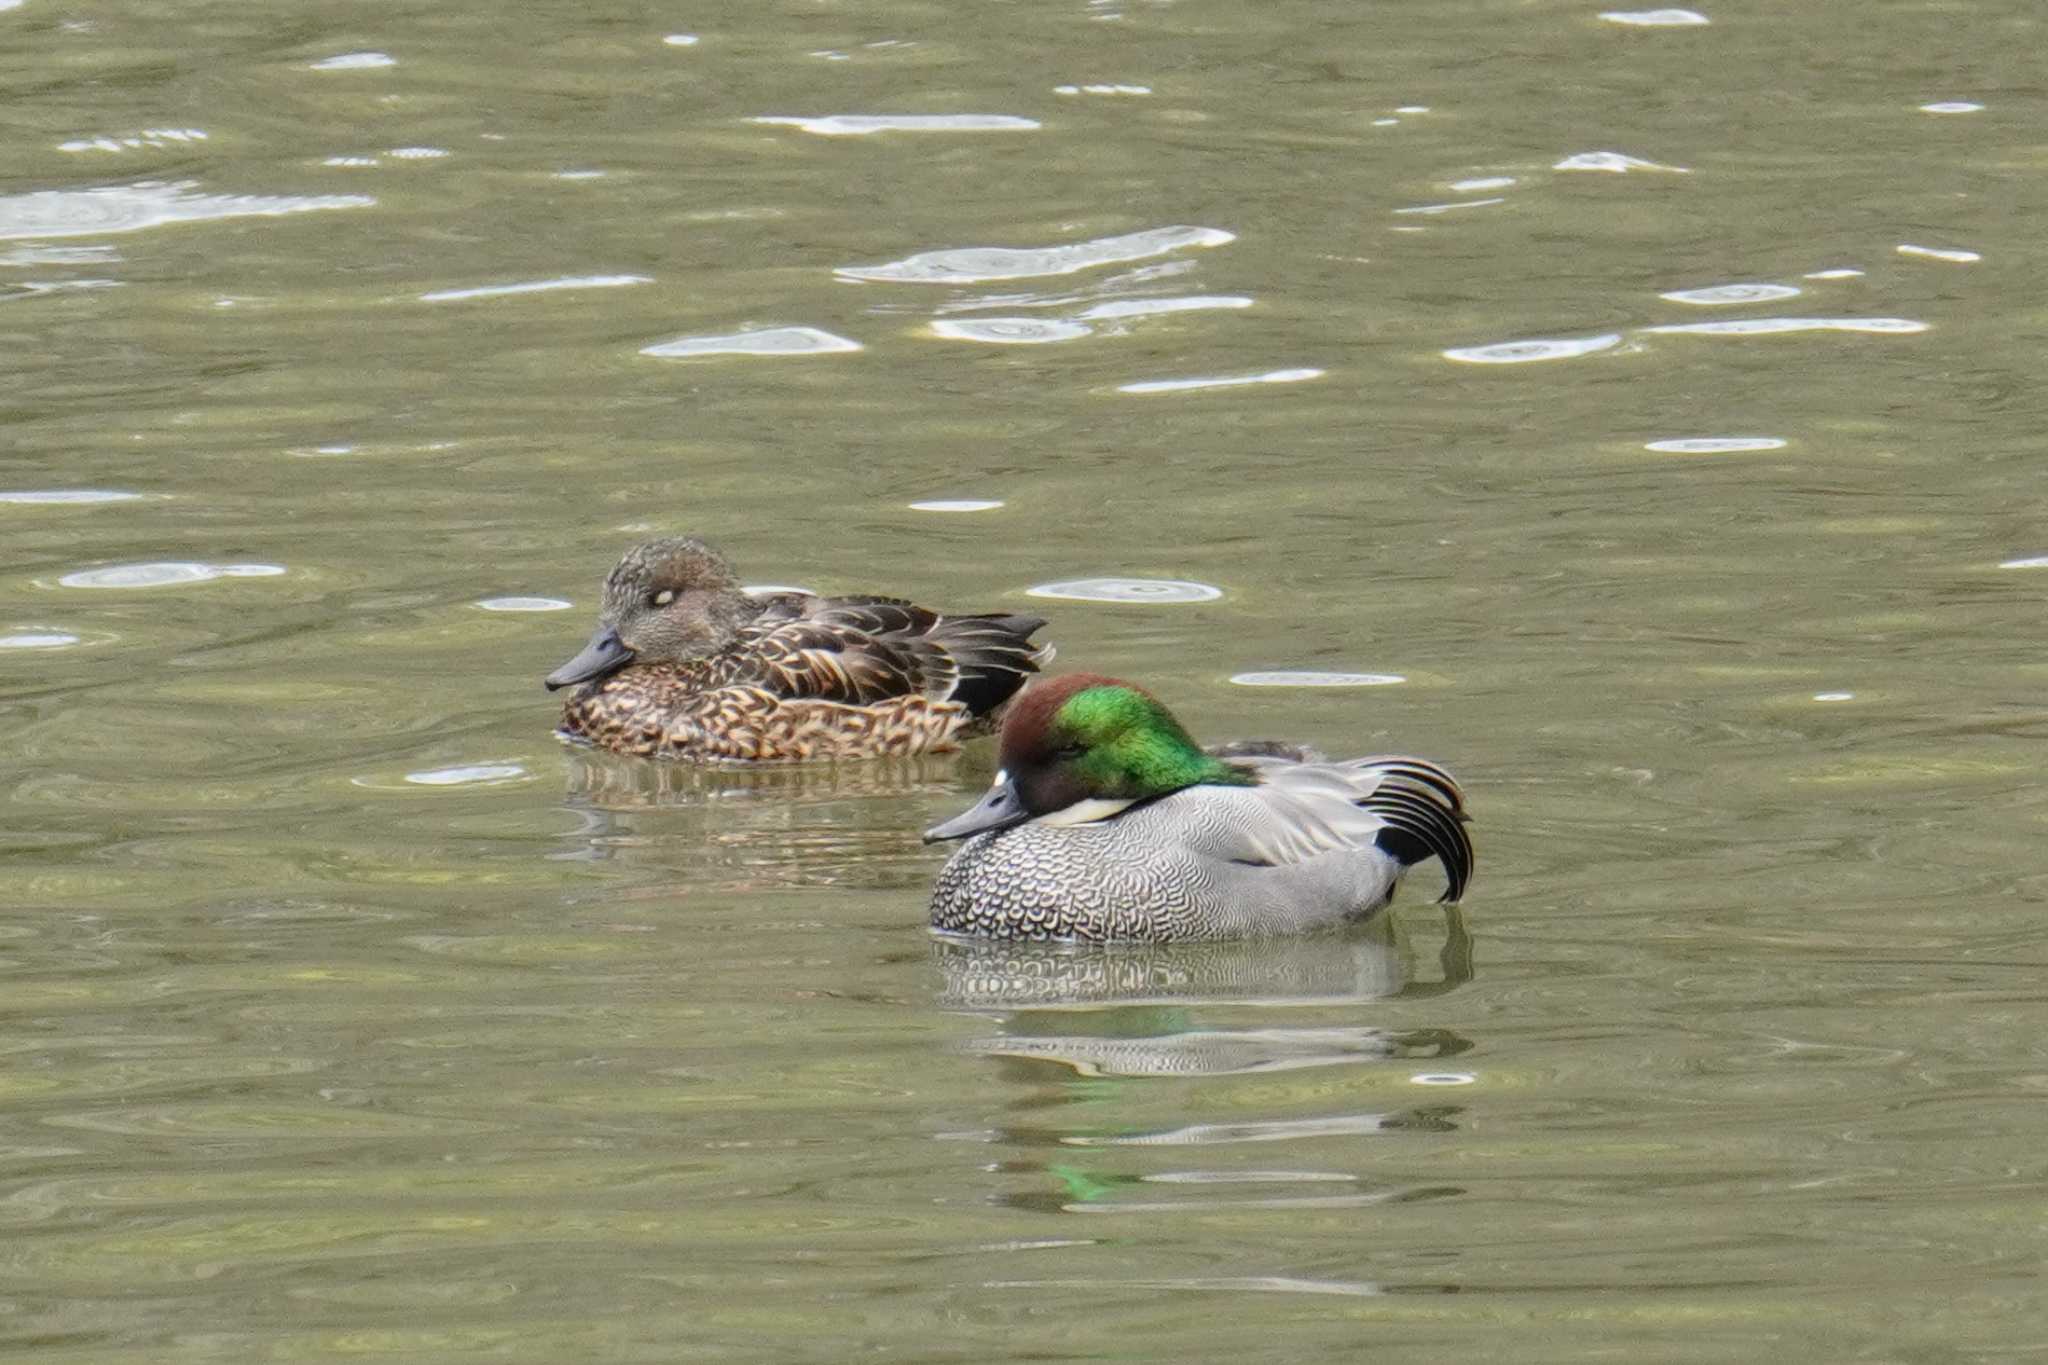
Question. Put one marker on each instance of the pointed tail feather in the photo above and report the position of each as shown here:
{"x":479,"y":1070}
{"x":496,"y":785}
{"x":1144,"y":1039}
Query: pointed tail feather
{"x":995,"y":656}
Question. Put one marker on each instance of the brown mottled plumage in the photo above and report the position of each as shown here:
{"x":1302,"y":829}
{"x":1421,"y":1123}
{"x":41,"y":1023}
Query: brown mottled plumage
{"x":686,"y":664}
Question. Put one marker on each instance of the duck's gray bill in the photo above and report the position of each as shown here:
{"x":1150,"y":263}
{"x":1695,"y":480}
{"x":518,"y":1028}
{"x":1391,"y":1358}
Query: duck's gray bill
{"x":998,"y":810}
{"x":604,"y":654}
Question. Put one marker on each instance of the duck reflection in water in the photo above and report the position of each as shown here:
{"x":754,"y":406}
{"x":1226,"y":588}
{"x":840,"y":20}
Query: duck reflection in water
{"x":1132,"y":1082}
{"x":1125,"y":1008}
{"x":731,"y":827}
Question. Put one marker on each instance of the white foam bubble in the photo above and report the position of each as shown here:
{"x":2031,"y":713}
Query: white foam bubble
{"x":38,"y":639}
{"x":524,"y":604}
{"x":1721,"y":295}
{"x":1484,"y":182}
{"x":861,"y":125}
{"x":1834,"y":696}
{"x":1952,"y":107}
{"x":980,"y":264}
{"x":1010,"y":331}
{"x":769,"y":341}
{"x":1715,"y":445}
{"x":164,"y":574}
{"x":1442,"y":1078}
{"x":1839,"y":273}
{"x":1301,"y":677}
{"x":1146,"y":590}
{"x":1532,"y":350}
{"x":956,"y":505}
{"x":2031,"y":562}
{"x":1102,"y":90}
{"x":418,"y":153}
{"x":681,"y":40}
{"x":1230,"y":381}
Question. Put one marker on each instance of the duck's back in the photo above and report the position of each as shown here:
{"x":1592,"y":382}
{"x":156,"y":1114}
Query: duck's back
{"x":1312,"y":845}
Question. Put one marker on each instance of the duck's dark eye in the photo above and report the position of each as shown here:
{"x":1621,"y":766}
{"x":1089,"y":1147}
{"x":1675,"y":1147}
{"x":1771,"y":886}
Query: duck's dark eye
{"x":1067,"y":751}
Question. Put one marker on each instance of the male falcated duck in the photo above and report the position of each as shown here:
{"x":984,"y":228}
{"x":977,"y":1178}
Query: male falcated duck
{"x":687,"y":664}
{"x":1107,"y":823}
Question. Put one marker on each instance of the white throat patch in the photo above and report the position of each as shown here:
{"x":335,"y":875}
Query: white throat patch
{"x":1086,"y":812}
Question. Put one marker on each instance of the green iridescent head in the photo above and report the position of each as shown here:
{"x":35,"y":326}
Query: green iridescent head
{"x":1084,"y":747}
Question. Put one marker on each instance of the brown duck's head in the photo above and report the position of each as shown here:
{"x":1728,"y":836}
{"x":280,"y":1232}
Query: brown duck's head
{"x":666,"y":601}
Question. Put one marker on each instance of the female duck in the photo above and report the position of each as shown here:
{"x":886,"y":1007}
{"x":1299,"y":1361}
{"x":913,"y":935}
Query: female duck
{"x":1108,"y":823}
{"x":686,"y":664}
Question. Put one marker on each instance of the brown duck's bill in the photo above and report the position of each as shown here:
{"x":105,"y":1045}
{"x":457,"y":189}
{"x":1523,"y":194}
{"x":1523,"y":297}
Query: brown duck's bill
{"x":1000,"y":809}
{"x":604,"y":654}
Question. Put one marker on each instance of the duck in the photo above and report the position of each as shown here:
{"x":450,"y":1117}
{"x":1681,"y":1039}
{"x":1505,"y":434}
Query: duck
{"x":685,"y":663}
{"x":1107,"y":823}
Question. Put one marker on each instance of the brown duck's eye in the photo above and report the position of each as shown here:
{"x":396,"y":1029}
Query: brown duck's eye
{"x":662,"y":598}
{"x":1067,"y":751}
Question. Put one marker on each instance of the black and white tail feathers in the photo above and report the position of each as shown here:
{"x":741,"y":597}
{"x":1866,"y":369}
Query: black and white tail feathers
{"x":1425,"y":817}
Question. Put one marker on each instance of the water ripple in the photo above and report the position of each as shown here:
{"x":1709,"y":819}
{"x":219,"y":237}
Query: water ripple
{"x":1656,"y":18}
{"x":525,"y":604}
{"x":1145,"y":590}
{"x":146,"y":139}
{"x":1533,"y":349}
{"x":67,"y":496}
{"x":1145,"y":308}
{"x":860,"y":125}
{"x":467,"y":775}
{"x":492,"y":291}
{"x":1720,"y":295}
{"x":1102,"y":90}
{"x":773,"y":341}
{"x":1432,"y":209}
{"x":354,"y":61}
{"x":1616,"y":162}
{"x":164,"y":575}
{"x":1010,"y":331}
{"x":975,"y":265}
{"x":1233,"y":381}
{"x":1302,"y":677}
{"x":1938,"y":253}
{"x":1714,"y":445}
{"x":955,"y":505}
{"x":127,"y":208}
{"x":1773,"y":326}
